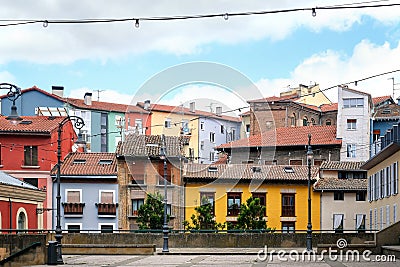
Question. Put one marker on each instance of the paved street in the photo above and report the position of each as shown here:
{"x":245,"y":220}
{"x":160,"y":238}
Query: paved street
{"x":207,"y":260}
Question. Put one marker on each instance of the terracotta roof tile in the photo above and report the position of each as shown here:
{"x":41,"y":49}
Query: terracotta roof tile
{"x":195,"y":171}
{"x":87,"y":164}
{"x":342,"y":165}
{"x":31,"y":124}
{"x":379,"y":99}
{"x":289,"y":136}
{"x":183,"y":110}
{"x":98,"y":105}
{"x":34,"y":88}
{"x":150,"y":145}
{"x":341,"y":184}
{"x":329,"y":107}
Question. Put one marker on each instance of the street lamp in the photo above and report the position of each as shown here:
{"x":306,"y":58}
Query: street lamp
{"x":78,"y":123}
{"x":309,"y":225}
{"x":165,"y":226}
{"x":13,"y":93}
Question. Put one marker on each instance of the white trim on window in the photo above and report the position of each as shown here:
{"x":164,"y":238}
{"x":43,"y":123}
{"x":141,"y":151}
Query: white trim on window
{"x":72,"y":190}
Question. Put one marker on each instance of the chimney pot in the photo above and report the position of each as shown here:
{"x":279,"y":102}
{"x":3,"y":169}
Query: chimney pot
{"x":146,"y":104}
{"x":57,"y":90}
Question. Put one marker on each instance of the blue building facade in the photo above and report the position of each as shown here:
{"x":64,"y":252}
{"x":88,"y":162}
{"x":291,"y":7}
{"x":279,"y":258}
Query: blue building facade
{"x":89,"y":195}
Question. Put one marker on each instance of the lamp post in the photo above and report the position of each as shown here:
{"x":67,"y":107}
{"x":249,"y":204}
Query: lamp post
{"x":13,"y":93}
{"x":78,"y":123}
{"x":309,"y":225}
{"x":165,"y":226}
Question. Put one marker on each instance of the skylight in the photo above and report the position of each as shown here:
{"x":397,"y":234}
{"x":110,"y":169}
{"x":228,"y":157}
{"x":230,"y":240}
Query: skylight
{"x":288,"y":169}
{"x":105,"y":162}
{"x":212,"y":169}
{"x":79,"y":161}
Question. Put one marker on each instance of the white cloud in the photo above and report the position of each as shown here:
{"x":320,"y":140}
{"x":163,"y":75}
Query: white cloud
{"x":63,"y":44}
{"x":332,"y":68}
{"x":105,"y":95}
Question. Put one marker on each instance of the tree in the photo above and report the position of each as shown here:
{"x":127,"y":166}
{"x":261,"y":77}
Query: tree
{"x":151,"y":213}
{"x":204,"y":218}
{"x":251,"y":215}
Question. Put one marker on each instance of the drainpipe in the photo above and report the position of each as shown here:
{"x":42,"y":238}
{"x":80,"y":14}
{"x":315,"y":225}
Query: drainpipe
{"x":320,"y":210}
{"x":10,"y":210}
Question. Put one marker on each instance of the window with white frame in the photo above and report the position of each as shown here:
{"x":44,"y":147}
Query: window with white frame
{"x":167,"y":123}
{"x":351,"y":124}
{"x":387,"y":215}
{"x":351,"y":150}
{"x":353,"y":102}
{"x":381,"y":218}
{"x":106,"y":227}
{"x":383,"y":183}
{"x":212,"y":156}
{"x":73,"y":195}
{"x":202,"y":145}
{"x":370,"y":219}
{"x":136,"y":204}
{"x":202,"y":125}
{"x":394,"y":213}
{"x":139,"y":126}
{"x":376,"y":218}
{"x":106,"y":196}
{"x":73,"y":227}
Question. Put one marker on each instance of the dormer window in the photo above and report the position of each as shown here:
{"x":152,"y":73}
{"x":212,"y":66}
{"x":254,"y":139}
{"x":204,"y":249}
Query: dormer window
{"x":256,"y":169}
{"x":212,"y":169}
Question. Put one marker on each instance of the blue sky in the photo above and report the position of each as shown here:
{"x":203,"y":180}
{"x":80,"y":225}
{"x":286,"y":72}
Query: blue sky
{"x":275,"y":51}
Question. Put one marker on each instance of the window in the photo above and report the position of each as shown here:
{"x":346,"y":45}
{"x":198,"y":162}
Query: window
{"x":370,"y":219}
{"x":351,"y":124}
{"x":139,"y":126}
{"x":136,"y":204}
{"x":338,"y":195}
{"x":212,"y":156}
{"x":387,"y":215}
{"x":376,"y":134}
{"x":32,"y":181}
{"x":351,"y":150}
{"x":73,"y":196}
{"x":161,"y":173}
{"x":222,"y":129}
{"x":118,"y":120}
{"x":328,"y":122}
{"x":202,"y":125}
{"x":360,"y":222}
{"x":288,"y":227}
{"x":293,"y":120}
{"x":288,"y":205}
{"x":361,"y":195}
{"x":338,"y":223}
{"x":103,"y":131}
{"x":30,"y":156}
{"x":107,"y":228}
{"x":353,"y":102}
{"x":212,"y":137}
{"x":185,"y":127}
{"x":107,"y":197}
{"x":233,"y":134}
{"x":305,"y":121}
{"x":167,"y":123}
{"x":202,"y":145}
{"x":208,"y":198}
{"x":234,"y":202}
{"x":247,"y":128}
{"x":73,"y":228}
{"x":22,"y":222}
{"x":263,"y":200}
{"x":394,"y":213}
{"x":295,"y":162}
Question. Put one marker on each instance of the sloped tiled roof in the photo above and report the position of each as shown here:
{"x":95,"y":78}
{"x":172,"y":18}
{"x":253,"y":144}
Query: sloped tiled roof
{"x":379,"y":99}
{"x":186,"y":111}
{"x":331,"y":184}
{"x":35,"y":88}
{"x":10,"y":180}
{"x":291,"y":97}
{"x":388,"y":111}
{"x":246,"y":172}
{"x":150,"y":145}
{"x":329,"y":107}
{"x":342,"y":165}
{"x":87,"y":164}
{"x":31,"y":124}
{"x":289,"y":136}
{"x":98,"y":105}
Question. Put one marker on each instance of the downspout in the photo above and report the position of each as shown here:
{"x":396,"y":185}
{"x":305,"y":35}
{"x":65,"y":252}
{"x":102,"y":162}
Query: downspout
{"x":320,"y":212}
{"x":10,"y":210}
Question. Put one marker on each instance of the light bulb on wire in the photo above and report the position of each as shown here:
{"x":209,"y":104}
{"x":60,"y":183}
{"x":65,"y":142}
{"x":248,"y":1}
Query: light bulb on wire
{"x":313,"y":12}
{"x":137,"y":23}
{"x":226,"y":16}
{"x":45,"y":23}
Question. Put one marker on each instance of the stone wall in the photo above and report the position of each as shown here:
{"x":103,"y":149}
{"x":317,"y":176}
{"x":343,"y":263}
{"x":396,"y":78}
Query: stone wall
{"x":12,"y":243}
{"x":389,"y":236}
{"x":219,"y":240}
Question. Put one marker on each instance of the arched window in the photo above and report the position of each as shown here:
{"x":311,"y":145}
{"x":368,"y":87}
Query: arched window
{"x":328,"y":122}
{"x":22,"y":221}
{"x":305,"y":121}
{"x":293,"y":120}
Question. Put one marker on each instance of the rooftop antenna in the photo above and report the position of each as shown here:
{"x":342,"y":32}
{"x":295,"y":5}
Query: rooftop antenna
{"x":98,"y":93}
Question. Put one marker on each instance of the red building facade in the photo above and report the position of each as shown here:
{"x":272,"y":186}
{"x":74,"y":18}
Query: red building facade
{"x":28,"y":151}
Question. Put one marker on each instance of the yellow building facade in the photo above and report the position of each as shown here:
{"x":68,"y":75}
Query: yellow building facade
{"x":283,"y":191}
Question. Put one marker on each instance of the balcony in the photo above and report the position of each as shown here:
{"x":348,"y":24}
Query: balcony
{"x":71,"y":208}
{"x":107,"y":208}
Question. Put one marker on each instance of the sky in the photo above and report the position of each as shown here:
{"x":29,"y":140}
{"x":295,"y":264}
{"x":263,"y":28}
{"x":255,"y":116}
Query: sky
{"x":220,"y":61}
